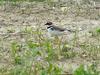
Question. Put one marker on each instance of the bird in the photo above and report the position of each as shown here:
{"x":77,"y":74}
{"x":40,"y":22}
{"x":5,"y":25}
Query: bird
{"x":55,"y":30}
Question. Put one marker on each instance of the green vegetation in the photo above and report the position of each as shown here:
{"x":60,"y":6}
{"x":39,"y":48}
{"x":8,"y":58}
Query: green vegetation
{"x":36,"y":58}
{"x":31,"y":52}
{"x":98,"y":30}
{"x":88,"y":70}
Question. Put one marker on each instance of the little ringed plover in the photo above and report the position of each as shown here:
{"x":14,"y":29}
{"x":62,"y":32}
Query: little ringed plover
{"x":55,"y":30}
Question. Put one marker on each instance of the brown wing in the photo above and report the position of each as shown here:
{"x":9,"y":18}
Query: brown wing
{"x":58,"y":28}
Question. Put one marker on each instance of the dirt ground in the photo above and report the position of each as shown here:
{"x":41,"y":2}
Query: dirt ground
{"x":15,"y":17}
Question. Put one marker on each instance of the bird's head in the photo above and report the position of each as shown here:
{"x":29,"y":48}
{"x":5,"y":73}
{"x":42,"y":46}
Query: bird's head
{"x":49,"y":23}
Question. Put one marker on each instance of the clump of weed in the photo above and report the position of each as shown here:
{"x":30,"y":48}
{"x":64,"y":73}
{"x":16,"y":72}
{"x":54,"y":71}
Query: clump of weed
{"x":15,"y":49}
{"x":89,"y":70}
{"x":49,"y":50}
{"x":28,"y":30}
{"x":33,"y":48}
{"x":95,"y":33}
{"x":51,"y":69}
{"x":98,"y":30}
